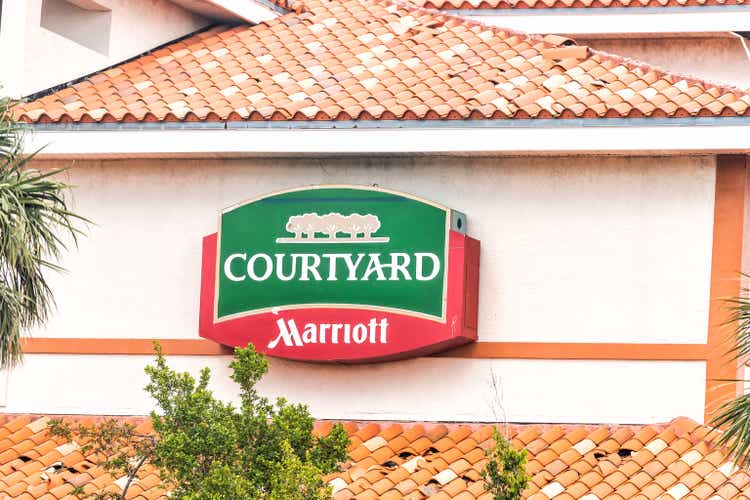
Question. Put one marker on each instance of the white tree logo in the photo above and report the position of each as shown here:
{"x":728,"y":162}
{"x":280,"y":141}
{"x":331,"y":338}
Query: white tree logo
{"x":328,"y":228}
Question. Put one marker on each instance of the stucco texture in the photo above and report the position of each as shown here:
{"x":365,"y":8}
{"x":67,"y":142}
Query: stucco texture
{"x":573,"y":249}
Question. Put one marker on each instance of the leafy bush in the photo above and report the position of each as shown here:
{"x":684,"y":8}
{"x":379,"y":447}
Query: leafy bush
{"x":207,"y":449}
{"x":505,"y":473}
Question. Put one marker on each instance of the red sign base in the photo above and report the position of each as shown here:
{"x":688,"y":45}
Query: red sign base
{"x":352,"y":334}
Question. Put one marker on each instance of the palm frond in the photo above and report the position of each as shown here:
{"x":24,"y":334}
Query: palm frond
{"x":739,"y":320}
{"x":734,"y":417}
{"x":36,"y":225}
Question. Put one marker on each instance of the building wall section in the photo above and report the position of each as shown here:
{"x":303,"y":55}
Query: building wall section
{"x":574,"y":250}
{"x":422,"y":389}
{"x":51,"y":42}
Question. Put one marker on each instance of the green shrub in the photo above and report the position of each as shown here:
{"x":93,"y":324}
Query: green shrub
{"x":207,"y":449}
{"x":505,"y":473}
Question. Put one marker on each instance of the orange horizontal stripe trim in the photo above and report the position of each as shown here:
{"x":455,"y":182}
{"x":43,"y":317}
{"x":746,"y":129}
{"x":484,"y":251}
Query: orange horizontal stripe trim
{"x":488,"y":350}
{"x":579,"y":350}
{"x":194,"y":347}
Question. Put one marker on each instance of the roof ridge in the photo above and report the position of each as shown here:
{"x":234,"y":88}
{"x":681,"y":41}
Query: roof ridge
{"x":677,"y":75}
{"x":636,"y":63}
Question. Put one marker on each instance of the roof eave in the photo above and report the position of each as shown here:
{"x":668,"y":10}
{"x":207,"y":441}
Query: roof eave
{"x":251,"y":11}
{"x":628,"y":136}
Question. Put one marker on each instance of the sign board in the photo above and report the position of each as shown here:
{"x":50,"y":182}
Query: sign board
{"x":340,"y":273}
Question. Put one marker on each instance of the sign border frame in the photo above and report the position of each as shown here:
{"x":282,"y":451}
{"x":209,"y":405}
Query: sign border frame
{"x":446,"y":253}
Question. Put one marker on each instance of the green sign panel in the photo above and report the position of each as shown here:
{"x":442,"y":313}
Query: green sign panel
{"x":333,"y":245}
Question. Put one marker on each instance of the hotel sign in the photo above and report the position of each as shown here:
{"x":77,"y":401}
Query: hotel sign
{"x":340,"y":273}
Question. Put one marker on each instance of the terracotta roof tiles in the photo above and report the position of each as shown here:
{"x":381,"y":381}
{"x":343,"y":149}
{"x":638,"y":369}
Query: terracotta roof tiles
{"x":378,"y":60}
{"x":408,"y":460}
{"x":565,"y":4}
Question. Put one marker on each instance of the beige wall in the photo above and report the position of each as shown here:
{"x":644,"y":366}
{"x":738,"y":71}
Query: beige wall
{"x":421,"y":389}
{"x":40,"y":58}
{"x":573,"y":250}
{"x":715,"y":59}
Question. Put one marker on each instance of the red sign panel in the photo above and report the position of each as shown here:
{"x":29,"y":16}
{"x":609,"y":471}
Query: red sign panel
{"x":340,"y":274}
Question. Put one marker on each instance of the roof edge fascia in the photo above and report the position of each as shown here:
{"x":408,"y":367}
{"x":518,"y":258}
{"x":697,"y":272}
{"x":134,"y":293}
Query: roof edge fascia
{"x":254,"y":11}
{"x":634,"y":136}
{"x":618,"y":21}
{"x":696,"y":121}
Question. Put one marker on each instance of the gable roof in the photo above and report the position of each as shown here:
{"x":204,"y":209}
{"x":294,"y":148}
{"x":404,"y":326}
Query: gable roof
{"x":378,"y":60}
{"x":437,"y":461}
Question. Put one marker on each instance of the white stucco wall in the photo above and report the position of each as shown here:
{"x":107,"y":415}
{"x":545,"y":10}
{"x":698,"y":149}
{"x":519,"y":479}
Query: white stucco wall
{"x":40,"y":58}
{"x":423,"y":389}
{"x":573,"y":250}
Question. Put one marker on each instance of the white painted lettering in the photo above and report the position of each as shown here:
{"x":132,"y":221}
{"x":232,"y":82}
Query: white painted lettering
{"x":312,"y":267}
{"x":420,"y":266}
{"x":280,"y":267}
{"x":371,"y":328}
{"x":310,"y":335}
{"x":352,"y":266}
{"x":290,"y":334}
{"x":324,"y":328}
{"x":375,"y":331}
{"x":335,"y":329}
{"x":251,"y":267}
{"x":228,"y":266}
{"x":396,"y":267}
{"x":360,"y":333}
{"x":309,"y":267}
{"x":332,"y":257}
{"x":384,"y":331}
{"x":374,"y":267}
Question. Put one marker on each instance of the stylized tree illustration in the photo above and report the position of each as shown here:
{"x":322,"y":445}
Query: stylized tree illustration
{"x":311,"y":224}
{"x":370,"y":224}
{"x":296,"y":225}
{"x":353,"y":225}
{"x":306,"y":226}
{"x":331,"y":224}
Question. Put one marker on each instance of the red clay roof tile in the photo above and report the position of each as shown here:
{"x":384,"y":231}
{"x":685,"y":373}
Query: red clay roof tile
{"x":378,"y":60}
{"x":447,"y":473}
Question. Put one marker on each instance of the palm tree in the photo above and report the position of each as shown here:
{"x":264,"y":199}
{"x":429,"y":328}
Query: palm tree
{"x":35,"y":223}
{"x":734,"y":415}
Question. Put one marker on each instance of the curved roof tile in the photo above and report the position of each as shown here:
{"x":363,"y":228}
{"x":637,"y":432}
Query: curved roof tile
{"x":413,"y":460}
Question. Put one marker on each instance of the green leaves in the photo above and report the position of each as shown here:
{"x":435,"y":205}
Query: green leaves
{"x":35,"y":223}
{"x":295,"y":479}
{"x":330,"y":450}
{"x":114,"y":445}
{"x":206,"y":449}
{"x":209,"y":450}
{"x":739,"y":320}
{"x":505,"y":472}
{"x":734,"y":416}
